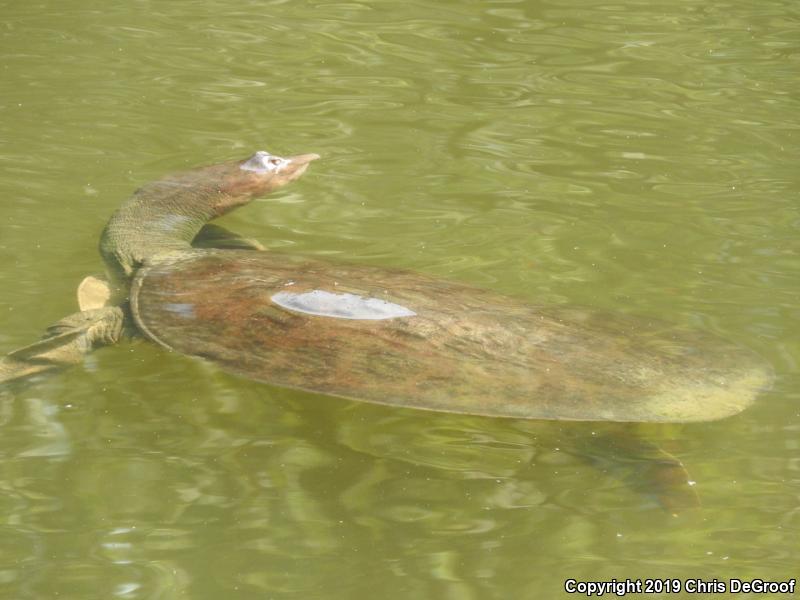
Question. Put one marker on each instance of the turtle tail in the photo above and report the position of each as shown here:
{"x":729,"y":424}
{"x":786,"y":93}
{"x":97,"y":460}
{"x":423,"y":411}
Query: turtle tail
{"x":64,"y":344}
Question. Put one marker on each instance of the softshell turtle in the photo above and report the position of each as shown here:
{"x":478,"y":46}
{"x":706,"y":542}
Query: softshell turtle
{"x":379,"y":335}
{"x":372,"y":334}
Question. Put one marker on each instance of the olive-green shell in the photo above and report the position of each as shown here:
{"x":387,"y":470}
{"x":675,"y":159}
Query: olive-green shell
{"x":463,"y":350}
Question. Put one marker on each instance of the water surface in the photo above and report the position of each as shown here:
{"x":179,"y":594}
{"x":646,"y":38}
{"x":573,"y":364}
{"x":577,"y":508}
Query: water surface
{"x":631,"y":157}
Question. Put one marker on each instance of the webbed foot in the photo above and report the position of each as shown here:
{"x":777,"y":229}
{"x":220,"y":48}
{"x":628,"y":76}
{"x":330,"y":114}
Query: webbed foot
{"x":65,"y":343}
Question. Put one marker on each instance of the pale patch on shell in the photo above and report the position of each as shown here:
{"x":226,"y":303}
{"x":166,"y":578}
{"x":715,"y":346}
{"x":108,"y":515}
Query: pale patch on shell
{"x":185,"y":310}
{"x":340,"y":306}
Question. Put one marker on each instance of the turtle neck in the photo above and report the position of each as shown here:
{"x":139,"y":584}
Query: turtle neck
{"x":162,"y":216}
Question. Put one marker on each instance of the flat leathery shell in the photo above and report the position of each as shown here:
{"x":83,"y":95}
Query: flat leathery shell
{"x":310,"y":324}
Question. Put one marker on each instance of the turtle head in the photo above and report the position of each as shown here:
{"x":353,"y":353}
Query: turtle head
{"x":257,"y":176}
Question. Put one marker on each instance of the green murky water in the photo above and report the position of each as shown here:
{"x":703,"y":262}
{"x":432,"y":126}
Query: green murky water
{"x":633,"y":156}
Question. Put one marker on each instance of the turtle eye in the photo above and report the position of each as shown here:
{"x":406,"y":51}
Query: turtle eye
{"x":263,"y":162}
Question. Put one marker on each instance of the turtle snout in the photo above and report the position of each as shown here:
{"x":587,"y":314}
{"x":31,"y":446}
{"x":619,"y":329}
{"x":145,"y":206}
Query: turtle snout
{"x":295,"y":166}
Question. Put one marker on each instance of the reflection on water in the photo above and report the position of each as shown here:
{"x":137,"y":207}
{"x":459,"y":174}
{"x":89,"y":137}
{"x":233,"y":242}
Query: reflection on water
{"x":620,"y":156}
{"x":249,"y":490}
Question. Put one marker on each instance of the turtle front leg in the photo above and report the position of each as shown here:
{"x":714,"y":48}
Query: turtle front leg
{"x":214,"y":236}
{"x":65,"y":343}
